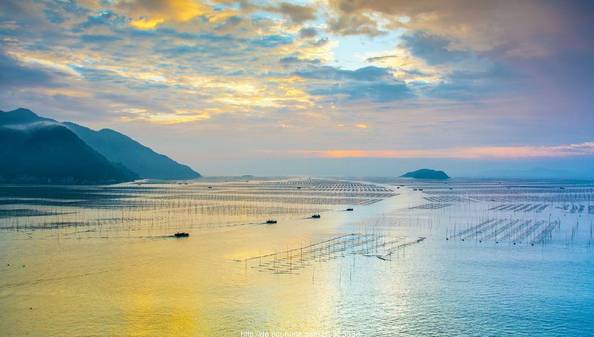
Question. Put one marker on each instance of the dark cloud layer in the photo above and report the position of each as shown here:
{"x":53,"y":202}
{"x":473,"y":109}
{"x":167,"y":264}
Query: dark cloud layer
{"x":431,"y":48}
{"x":14,"y":74}
{"x":371,"y":83}
{"x":297,"y":13}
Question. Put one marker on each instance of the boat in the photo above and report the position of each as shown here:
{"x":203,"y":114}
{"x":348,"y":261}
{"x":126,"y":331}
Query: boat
{"x":316,"y":216}
{"x":270,"y":221}
{"x":181,"y":235}
{"x":349,"y":209}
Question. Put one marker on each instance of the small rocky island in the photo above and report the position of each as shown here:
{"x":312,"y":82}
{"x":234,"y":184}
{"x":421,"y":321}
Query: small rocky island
{"x":426,"y":174}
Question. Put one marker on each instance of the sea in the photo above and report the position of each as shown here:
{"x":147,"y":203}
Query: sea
{"x":298,"y":256}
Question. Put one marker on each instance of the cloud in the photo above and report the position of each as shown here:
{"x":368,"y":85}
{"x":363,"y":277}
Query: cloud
{"x":148,"y":14}
{"x":487,"y":152}
{"x":272,"y":41}
{"x":432,"y":49}
{"x":295,"y":13}
{"x":375,"y":92}
{"x":229,"y":23}
{"x":15,"y":74}
{"x":520,"y":28}
{"x":430,"y":67}
{"x":295,"y":60}
{"x":308,"y":32}
{"x":346,"y":24}
{"x":97,"y":20}
{"x":370,"y":73}
{"x":146,"y":23}
{"x":176,"y":117}
{"x":99,"y":38}
{"x":371,"y":83}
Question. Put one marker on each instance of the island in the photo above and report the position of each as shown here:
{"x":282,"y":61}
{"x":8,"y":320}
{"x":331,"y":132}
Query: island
{"x":426,"y":174}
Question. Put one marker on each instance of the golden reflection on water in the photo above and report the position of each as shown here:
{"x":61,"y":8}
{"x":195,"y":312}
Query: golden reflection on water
{"x":164,"y":287}
{"x":124,"y":277}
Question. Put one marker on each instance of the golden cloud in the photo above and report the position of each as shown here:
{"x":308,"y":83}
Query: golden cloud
{"x":149,"y":14}
{"x":180,"y":116}
{"x":144,"y":23}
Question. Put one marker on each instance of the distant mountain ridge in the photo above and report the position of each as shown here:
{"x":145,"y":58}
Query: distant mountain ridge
{"x":426,"y":174}
{"x":53,"y":154}
{"x":121,"y":157}
{"x":21,"y":116}
{"x":140,"y":159}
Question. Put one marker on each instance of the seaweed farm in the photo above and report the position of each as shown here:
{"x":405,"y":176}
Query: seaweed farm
{"x":292,"y":260}
{"x":298,"y":257}
{"x":200,"y":206}
{"x":513,"y":212}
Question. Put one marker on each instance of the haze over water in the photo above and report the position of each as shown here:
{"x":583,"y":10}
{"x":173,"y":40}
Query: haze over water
{"x":99,"y":261}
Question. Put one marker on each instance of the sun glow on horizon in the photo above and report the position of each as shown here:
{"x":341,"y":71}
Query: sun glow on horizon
{"x":493,"y":152}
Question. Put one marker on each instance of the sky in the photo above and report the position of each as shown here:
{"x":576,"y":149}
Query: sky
{"x":318,"y":87}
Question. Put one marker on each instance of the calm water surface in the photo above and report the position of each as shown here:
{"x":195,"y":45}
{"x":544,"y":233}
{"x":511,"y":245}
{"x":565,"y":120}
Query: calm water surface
{"x":98,"y":261}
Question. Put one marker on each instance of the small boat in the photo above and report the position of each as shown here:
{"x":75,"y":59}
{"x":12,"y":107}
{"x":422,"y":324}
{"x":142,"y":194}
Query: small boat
{"x":349,"y":209}
{"x":181,"y":235}
{"x":316,"y":216}
{"x":270,"y":221}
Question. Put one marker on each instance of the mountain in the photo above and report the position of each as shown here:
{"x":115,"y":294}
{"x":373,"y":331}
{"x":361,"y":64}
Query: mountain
{"x":140,"y":159}
{"x":20,"y":116}
{"x":114,"y":146}
{"x":426,"y":174}
{"x":50,"y":153}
